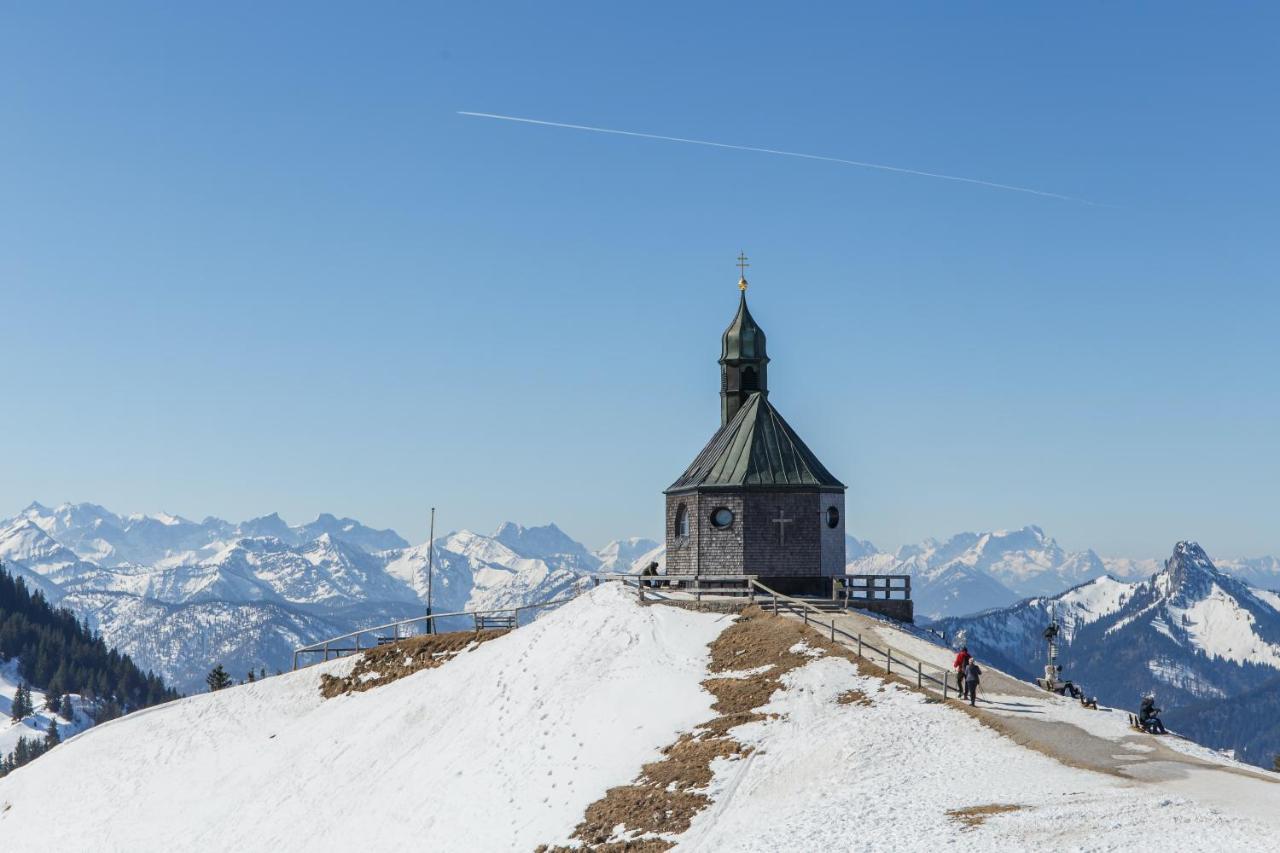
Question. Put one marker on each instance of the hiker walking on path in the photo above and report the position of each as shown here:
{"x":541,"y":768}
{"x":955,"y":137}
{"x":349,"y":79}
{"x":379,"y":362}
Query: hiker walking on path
{"x":972,"y":675}
{"x":962,"y":660}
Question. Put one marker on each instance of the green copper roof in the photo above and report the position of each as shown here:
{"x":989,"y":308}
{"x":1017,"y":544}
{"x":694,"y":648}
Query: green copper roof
{"x":744,"y":339}
{"x":756,"y":448}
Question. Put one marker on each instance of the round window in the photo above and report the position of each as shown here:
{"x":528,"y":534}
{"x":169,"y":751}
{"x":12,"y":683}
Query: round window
{"x":721,"y":517}
{"x":833,"y":517}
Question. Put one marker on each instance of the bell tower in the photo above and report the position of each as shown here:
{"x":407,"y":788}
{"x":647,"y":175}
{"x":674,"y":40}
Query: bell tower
{"x":743,"y":362}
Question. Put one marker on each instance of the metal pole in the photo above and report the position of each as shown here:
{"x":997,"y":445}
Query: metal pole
{"x":431,"y":562}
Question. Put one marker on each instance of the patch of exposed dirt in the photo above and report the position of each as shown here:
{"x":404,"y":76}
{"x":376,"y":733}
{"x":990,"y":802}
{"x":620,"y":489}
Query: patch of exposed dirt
{"x":664,"y":799}
{"x":974,"y":816}
{"x":853,"y":697}
{"x":387,"y":663}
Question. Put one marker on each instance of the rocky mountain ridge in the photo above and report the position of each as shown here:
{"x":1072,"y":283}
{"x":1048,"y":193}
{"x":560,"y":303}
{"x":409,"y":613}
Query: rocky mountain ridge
{"x":179,"y":596}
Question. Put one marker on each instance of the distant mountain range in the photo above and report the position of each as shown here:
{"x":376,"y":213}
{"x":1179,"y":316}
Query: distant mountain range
{"x":179,"y":596}
{"x":1206,"y":643}
{"x":972,"y":572}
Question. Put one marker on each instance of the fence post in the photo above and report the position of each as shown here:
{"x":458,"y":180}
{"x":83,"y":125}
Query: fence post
{"x":357,"y":642}
{"x":946,"y":680}
{"x":833,"y":630}
{"x":888,"y":659}
{"x":775,"y":605}
{"x":859,"y":645}
{"x":805,"y":615}
{"x":295,"y":661}
{"x":326,"y":651}
{"x":919,"y":674}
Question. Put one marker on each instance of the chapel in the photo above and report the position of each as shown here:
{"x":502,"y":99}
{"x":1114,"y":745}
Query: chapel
{"x":756,"y":500}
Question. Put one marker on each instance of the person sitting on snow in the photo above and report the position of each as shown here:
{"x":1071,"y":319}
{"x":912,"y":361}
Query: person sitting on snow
{"x":1149,"y":716}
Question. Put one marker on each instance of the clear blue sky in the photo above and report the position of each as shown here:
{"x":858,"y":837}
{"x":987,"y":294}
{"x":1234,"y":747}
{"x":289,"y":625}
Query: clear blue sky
{"x":251,"y":259}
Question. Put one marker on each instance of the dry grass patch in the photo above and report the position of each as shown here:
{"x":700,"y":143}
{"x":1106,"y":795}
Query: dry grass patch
{"x":974,"y":816}
{"x":853,"y":697}
{"x":664,"y":799}
{"x":384,"y":664}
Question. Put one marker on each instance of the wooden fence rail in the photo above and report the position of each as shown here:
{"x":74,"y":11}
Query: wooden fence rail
{"x":501,"y":616}
{"x":907,"y":664}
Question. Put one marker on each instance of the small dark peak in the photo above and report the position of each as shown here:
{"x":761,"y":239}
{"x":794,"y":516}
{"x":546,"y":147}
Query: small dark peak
{"x":1188,"y":572}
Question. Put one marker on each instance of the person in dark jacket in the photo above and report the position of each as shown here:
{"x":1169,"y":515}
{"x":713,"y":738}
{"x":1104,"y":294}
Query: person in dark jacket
{"x":962,"y":660}
{"x":1149,"y":716}
{"x":972,"y":675}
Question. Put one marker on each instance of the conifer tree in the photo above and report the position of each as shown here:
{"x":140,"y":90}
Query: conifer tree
{"x":67,"y":711}
{"x":53,"y":700}
{"x":250,"y":677}
{"x":21,"y":703}
{"x":51,"y":736}
{"x":217,"y":678}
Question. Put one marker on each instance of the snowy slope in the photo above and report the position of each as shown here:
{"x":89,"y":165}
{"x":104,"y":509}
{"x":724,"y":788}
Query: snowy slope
{"x":531,"y":727}
{"x":504,"y":747}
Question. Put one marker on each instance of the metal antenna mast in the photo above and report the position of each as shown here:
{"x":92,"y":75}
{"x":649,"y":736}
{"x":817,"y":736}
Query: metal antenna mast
{"x":1051,"y":634}
{"x":431,"y":560}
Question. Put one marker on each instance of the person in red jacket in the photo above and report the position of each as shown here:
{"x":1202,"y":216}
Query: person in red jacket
{"x":962,"y":661}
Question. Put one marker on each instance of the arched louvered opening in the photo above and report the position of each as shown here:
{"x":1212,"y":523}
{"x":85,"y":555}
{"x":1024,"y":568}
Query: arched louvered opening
{"x":682,"y":521}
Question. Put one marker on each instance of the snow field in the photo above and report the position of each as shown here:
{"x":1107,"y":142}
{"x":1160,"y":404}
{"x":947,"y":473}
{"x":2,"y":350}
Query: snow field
{"x":878,"y":777}
{"x":502,"y":748}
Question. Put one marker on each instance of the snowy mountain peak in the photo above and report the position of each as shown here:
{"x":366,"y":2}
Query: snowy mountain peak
{"x":266,"y":525}
{"x":545,"y":541}
{"x":620,"y":554}
{"x":1190,"y":557}
{"x":1189,"y":575}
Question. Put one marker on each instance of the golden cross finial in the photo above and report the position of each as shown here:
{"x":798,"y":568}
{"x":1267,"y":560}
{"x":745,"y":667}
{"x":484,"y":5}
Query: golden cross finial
{"x":742,"y":271}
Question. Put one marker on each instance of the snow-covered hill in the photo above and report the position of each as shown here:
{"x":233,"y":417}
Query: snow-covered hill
{"x":1191,"y":634}
{"x":520,"y":741}
{"x":179,"y":596}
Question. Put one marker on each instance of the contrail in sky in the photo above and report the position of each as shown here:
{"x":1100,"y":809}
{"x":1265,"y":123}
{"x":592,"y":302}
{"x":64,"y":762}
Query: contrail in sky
{"x":881,"y":166}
